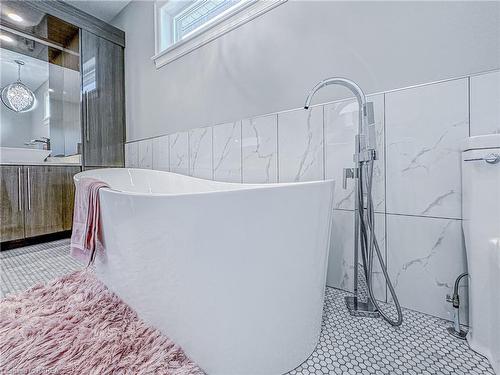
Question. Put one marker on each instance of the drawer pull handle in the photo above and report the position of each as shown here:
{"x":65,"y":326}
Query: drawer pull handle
{"x":19,"y":189}
{"x":29,"y":190}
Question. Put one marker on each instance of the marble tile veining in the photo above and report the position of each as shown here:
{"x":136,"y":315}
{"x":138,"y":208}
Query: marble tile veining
{"x":161,"y":159}
{"x":485,"y":103}
{"x":145,"y":154}
{"x":179,"y":153}
{"x":132,"y":155}
{"x":300,"y":145}
{"x":341,"y":127}
{"x":425,"y":127}
{"x":425,"y":257}
{"x":260,"y":149}
{"x":227,"y":152}
{"x":200,"y":153}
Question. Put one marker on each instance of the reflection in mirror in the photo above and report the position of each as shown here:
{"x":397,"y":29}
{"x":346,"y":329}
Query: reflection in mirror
{"x":54,"y":121}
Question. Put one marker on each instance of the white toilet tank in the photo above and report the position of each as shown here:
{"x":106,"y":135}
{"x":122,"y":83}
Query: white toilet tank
{"x":481,"y":225}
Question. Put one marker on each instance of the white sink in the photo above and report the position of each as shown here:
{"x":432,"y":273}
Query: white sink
{"x":22,"y":155}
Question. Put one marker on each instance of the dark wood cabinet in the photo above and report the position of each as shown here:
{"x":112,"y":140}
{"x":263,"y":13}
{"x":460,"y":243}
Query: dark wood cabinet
{"x":43,"y":200}
{"x":103,"y":96}
{"x":36,"y":200}
{"x":11,"y":200}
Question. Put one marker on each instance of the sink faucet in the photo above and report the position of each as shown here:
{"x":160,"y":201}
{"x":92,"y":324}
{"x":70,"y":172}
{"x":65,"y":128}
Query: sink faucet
{"x":44,"y":140}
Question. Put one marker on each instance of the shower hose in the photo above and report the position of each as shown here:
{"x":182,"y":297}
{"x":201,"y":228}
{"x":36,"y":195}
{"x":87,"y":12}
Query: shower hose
{"x":369,"y":243}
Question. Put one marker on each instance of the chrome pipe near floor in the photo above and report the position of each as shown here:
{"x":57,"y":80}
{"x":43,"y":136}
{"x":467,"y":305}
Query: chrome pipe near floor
{"x":364,"y":223}
{"x":455,"y":330}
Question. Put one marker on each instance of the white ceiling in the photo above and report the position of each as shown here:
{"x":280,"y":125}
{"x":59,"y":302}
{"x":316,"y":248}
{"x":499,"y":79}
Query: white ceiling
{"x":105,"y":10}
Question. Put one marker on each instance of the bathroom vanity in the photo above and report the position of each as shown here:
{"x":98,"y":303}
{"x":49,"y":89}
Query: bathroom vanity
{"x":73,"y":66}
{"x":36,"y":200}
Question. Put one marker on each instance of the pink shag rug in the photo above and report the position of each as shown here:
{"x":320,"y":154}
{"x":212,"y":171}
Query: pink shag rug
{"x":75,"y":325}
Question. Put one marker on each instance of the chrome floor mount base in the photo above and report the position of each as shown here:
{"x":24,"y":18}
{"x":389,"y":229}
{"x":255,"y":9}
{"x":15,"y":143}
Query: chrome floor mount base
{"x":359,"y":308}
{"x":458,"y":334}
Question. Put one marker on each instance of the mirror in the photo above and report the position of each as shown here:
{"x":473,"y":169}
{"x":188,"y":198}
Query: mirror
{"x":54,"y":121}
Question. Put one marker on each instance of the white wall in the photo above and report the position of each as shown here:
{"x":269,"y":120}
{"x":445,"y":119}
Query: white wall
{"x":270,"y":63}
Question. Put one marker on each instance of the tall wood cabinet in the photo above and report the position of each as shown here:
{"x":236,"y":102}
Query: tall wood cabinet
{"x":103,"y":96}
{"x":36,"y":200}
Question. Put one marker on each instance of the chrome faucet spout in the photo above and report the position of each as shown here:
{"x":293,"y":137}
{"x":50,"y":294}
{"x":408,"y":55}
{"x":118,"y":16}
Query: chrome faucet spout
{"x":365,"y":131}
{"x":351,"y":85}
{"x":44,"y":140}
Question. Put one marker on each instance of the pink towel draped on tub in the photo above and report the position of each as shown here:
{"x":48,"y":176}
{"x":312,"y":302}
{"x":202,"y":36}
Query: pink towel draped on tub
{"x":86,"y":237}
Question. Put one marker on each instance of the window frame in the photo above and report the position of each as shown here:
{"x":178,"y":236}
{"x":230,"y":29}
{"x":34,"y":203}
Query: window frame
{"x":241,"y":14}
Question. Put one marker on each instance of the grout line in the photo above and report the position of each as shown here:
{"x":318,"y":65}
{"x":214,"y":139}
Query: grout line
{"x":241,"y":151}
{"x":468,"y":102}
{"x":168,"y":151}
{"x":277,"y":149}
{"x":422,"y":216}
{"x":324,"y":144}
{"x":406,"y":215}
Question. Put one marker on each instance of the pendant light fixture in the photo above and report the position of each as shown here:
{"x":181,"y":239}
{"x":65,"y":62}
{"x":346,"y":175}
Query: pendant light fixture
{"x":17,"y":96}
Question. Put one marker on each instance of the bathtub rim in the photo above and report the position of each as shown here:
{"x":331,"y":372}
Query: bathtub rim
{"x":241,"y":186}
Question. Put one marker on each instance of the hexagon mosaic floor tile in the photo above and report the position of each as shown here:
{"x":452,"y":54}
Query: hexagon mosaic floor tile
{"x":348,"y":345}
{"x":351,"y":345}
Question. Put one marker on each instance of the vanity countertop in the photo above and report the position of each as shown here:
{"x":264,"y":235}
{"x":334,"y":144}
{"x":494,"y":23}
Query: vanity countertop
{"x":27,"y":156}
{"x":50,"y":163}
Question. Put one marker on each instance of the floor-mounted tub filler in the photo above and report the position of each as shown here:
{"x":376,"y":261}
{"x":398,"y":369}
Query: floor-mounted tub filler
{"x":233,"y":273}
{"x":363,"y":304}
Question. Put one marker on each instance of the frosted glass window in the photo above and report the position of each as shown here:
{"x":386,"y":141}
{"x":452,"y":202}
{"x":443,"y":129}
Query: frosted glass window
{"x":198,"y":14}
{"x":180,"y":19}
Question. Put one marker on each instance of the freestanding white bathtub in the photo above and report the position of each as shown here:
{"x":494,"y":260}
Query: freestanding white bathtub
{"x":233,"y":273}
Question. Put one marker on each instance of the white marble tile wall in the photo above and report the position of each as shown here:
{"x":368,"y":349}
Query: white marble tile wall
{"x":145,"y":154}
{"x":300,"y":145}
{"x":417,"y":187}
{"x":260,"y":149}
{"x":227,"y":152}
{"x":200,"y":153}
{"x":161,"y":154}
{"x":485,"y":103}
{"x":425,"y":127}
{"x":341,"y":257}
{"x":179,"y":153}
{"x":132,"y":155}
{"x":425,"y":257}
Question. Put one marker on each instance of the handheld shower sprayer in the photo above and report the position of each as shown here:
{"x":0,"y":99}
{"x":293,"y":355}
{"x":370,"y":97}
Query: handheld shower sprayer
{"x":364,"y":223}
